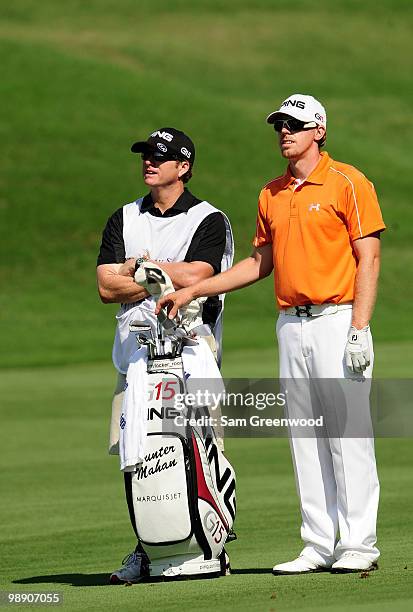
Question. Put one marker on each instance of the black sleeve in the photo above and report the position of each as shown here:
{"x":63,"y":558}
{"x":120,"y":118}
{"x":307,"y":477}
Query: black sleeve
{"x":112,"y":248}
{"x":208,"y":242}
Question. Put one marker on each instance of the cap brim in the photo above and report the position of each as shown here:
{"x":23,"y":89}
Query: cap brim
{"x":273,"y":116}
{"x":141,"y":147}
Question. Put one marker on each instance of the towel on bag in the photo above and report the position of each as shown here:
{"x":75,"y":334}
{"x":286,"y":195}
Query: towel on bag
{"x":133,"y":418}
{"x":201,"y":373}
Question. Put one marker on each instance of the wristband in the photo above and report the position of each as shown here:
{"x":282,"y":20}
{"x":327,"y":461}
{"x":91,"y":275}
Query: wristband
{"x":139,"y":260}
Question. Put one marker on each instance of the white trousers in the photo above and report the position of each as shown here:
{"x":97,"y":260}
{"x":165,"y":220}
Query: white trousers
{"x":336,"y":476}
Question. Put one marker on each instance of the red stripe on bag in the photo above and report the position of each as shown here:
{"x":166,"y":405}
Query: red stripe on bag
{"x":203,"y":491}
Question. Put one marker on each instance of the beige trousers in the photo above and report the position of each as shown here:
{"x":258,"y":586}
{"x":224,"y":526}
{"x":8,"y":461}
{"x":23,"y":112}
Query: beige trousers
{"x":118,"y":400}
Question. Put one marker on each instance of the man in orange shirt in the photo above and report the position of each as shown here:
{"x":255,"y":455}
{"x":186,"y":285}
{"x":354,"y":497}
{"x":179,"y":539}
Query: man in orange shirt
{"x":318,"y":228}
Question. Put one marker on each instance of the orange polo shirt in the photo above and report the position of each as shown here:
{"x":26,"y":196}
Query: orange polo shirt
{"x":311,"y":227}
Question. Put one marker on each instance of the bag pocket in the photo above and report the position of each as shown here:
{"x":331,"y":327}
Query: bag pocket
{"x":161,"y":491}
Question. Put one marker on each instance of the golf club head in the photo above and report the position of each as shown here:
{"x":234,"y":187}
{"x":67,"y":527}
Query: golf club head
{"x":142,"y":328}
{"x":144,"y":340}
{"x":167,"y":324}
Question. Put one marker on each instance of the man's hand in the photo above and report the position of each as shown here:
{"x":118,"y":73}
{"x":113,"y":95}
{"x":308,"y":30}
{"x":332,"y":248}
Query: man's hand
{"x":357,"y":351}
{"x":128,"y":268}
{"x":115,"y":288}
{"x":174,"y":301}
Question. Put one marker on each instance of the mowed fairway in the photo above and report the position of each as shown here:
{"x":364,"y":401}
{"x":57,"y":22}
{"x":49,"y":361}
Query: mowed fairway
{"x":80,"y":81}
{"x":65,"y":524}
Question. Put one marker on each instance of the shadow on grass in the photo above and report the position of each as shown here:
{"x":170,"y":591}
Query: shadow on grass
{"x":77,"y":580}
{"x":252,"y":570}
{"x":87,"y":580}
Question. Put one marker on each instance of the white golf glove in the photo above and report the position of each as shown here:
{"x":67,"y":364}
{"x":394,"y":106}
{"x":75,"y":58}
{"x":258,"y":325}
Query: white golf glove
{"x":357,"y":351}
{"x":191,"y":315}
{"x":158,"y":286}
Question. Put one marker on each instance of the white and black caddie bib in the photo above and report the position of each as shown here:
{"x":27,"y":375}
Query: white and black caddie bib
{"x":163,"y":239}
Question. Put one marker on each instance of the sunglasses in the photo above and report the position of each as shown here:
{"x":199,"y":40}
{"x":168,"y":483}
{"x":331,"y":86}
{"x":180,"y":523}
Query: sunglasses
{"x":157,"y":156}
{"x":293,"y":125}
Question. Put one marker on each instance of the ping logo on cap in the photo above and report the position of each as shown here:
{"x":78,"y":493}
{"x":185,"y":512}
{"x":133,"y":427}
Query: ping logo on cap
{"x":165,"y":135}
{"x":296,"y":103}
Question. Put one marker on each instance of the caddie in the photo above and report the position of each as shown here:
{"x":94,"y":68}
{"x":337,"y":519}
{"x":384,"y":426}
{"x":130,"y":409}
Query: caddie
{"x":318,"y":228}
{"x":187,"y":237}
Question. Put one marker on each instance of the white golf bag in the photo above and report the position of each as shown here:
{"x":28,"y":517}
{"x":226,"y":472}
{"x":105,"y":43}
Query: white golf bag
{"x":181,"y":497}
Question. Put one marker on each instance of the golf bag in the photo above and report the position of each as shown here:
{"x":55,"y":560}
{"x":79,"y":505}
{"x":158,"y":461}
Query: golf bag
{"x":181,"y":497}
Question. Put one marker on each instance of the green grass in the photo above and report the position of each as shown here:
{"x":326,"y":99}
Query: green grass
{"x":65,"y":524}
{"x":81,"y":81}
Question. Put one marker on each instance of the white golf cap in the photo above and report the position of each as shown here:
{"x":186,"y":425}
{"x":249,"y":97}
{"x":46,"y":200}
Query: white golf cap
{"x":302,"y":107}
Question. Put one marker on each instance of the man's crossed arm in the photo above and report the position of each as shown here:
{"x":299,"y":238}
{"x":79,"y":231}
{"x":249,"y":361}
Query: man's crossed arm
{"x":116,"y":282}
